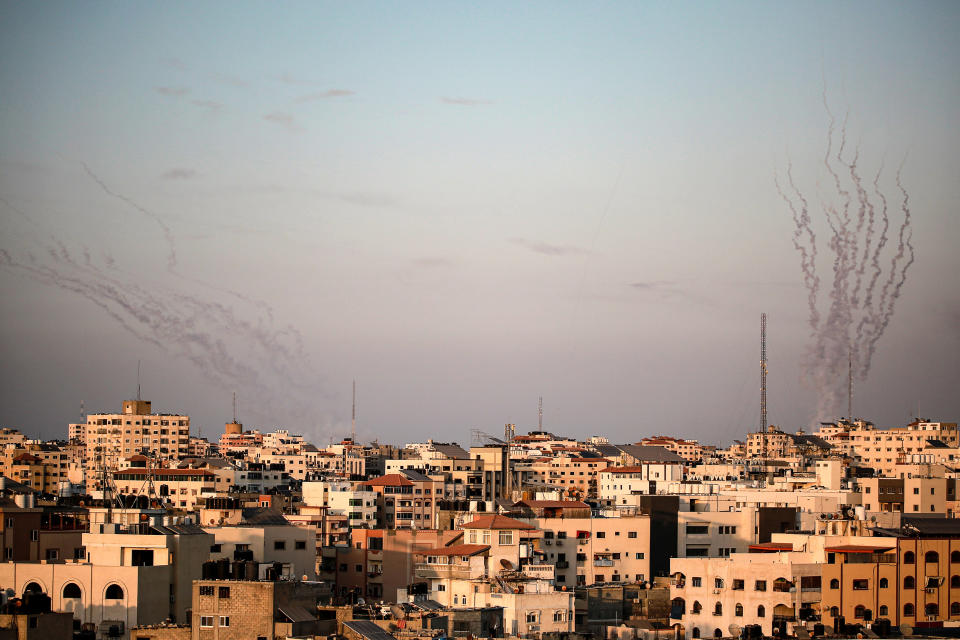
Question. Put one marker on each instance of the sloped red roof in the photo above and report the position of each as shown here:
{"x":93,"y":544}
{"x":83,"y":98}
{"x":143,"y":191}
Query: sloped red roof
{"x":456,"y":550}
{"x":26,"y":457}
{"x":389,"y":480}
{"x":769,"y":547}
{"x":496,"y":522}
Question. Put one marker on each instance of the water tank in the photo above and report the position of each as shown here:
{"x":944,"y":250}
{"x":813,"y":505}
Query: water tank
{"x":25,"y":500}
{"x":252,"y":570}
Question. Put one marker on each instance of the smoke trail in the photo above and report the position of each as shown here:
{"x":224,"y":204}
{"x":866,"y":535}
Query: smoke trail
{"x":861,"y":294}
{"x":225,"y":347}
{"x":172,"y":249}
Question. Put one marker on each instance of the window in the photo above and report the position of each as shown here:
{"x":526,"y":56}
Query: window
{"x":696,"y":581}
{"x":558,"y":616}
{"x":834,"y":584}
{"x":215,"y":548}
{"x":142,"y":557}
{"x":884,"y":610}
{"x":506,"y":537}
{"x":279,"y":545}
{"x":359,"y":568}
{"x":698,"y":529}
{"x":223,"y":592}
{"x":533,"y":617}
{"x":760,"y":585}
{"x":916,"y":491}
{"x":737,"y":585}
{"x":931,"y":556}
{"x":859,"y":611}
{"x":932,"y":609}
{"x":955,"y":556}
{"x":206,"y":590}
{"x":955,"y":608}
{"x":761,"y":612}
{"x":300,"y":544}
{"x":884,"y":583}
{"x":53,"y":554}
{"x":909,"y":582}
{"x":909,"y":558}
{"x":72,"y":590}
{"x":206,"y":622}
{"x":738,"y":610}
{"x":908,"y":609}
{"x":601,"y":534}
{"x":860,"y":585}
{"x":34,"y":535}
{"x":633,"y":534}
{"x":718,"y":583}
{"x":718,"y":609}
{"x":224,"y":621}
{"x":697,"y":608}
{"x":114,"y":592}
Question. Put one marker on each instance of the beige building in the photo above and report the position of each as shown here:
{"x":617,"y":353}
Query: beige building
{"x":269,"y":537}
{"x":111,"y":437}
{"x":137,"y":574}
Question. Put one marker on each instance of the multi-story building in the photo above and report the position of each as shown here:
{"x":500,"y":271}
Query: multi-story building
{"x":406,"y":499}
{"x":689,"y":450}
{"x":110,"y":437}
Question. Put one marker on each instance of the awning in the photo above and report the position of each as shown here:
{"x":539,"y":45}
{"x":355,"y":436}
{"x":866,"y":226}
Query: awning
{"x":858,"y":548}
{"x":771,"y":547}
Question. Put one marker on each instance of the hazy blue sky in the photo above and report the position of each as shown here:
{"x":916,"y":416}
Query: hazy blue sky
{"x":462,"y":206}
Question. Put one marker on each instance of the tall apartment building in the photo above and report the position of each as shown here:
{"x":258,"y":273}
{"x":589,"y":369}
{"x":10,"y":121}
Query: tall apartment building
{"x":111,"y":437}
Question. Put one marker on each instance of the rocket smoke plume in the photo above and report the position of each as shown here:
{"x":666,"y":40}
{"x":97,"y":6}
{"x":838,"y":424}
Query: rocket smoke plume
{"x":231,"y":340}
{"x":866,"y":276}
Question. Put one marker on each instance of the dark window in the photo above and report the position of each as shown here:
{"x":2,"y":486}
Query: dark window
{"x":761,"y":612}
{"x":223,"y":592}
{"x":884,"y":583}
{"x":909,"y":582}
{"x":279,"y":545}
{"x":142,"y":557}
{"x":834,"y":584}
{"x":72,"y":590}
{"x":909,"y":558}
{"x":206,"y":590}
{"x":931,"y":556}
{"x":114,"y":592}
{"x":908,"y":609}
{"x":300,"y":544}
{"x":860,"y":585}
{"x":760,"y":585}
{"x":215,"y":548}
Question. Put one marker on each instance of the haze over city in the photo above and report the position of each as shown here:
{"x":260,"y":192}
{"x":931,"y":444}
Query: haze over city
{"x":463,"y":208}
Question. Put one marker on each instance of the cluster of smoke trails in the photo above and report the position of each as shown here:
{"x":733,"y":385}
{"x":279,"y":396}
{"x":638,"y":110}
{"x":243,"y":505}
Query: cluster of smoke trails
{"x":862,"y":292}
{"x":207,"y":333}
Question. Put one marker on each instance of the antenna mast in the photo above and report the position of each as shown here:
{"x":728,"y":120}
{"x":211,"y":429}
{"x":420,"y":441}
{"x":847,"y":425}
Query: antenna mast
{"x":540,"y":414}
{"x":763,"y":373}
{"x":353,"y":415}
{"x":234,"y":407}
{"x":138,"y":380}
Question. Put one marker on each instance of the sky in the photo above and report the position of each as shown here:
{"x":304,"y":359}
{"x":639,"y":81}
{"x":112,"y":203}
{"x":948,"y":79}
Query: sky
{"x":467,"y":206}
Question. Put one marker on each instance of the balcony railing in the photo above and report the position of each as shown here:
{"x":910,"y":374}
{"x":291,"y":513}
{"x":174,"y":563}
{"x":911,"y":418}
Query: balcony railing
{"x":426,"y":570}
{"x":602,"y":562}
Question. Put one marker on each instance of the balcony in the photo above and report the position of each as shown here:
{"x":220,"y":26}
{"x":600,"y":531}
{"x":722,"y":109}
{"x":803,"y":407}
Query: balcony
{"x":602,"y":562}
{"x":563,"y":564}
{"x":427,"y":570}
{"x":540,"y":571}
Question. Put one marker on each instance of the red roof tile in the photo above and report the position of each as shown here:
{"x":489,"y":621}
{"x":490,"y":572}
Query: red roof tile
{"x":389,"y":480}
{"x":496,"y":522}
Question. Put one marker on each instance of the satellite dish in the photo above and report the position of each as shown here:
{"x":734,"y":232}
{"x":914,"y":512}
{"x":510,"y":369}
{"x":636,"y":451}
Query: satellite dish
{"x":361,"y":601}
{"x":734,"y":630}
{"x":506,"y":564}
{"x":906,"y":629}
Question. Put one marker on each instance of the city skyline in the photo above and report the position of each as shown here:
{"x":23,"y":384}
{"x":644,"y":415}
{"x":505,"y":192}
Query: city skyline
{"x":462,"y":208}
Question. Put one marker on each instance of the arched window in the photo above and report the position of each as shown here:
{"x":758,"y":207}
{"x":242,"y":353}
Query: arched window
{"x":32,"y":587}
{"x":114,"y":592}
{"x":718,"y":609}
{"x":72,"y":590}
{"x":884,"y":583}
{"x":932,"y":609}
{"x":761,"y":612}
{"x":679,"y":606}
{"x":834,"y":611}
{"x":858,"y":611}
{"x":909,"y":558}
{"x":908,"y":609}
{"x":834,"y":584}
{"x":717,"y":633}
{"x":955,"y":581}
{"x":738,"y":610}
{"x":884,"y":610}
{"x":955,"y":608}
{"x":931,"y":556}
{"x":955,"y":556}
{"x":696,"y":632}
{"x":696,"y":606}
{"x":909,"y":582}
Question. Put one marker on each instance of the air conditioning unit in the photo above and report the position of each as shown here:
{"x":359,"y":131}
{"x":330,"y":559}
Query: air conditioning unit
{"x":548,"y":542}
